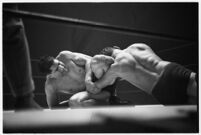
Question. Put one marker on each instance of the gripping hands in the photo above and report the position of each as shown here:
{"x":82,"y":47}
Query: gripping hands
{"x":99,"y":64}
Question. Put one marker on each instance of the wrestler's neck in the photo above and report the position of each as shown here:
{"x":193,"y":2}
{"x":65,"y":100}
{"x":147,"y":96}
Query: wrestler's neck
{"x":115,"y":52}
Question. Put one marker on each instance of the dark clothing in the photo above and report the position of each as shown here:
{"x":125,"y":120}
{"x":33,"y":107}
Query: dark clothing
{"x":172,"y":86}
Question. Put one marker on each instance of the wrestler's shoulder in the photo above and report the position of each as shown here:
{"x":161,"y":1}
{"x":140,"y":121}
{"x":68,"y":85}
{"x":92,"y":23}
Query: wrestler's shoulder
{"x":124,"y":55}
{"x":140,"y":46}
{"x":65,"y":52}
{"x":50,"y":80}
{"x":63,"y":55}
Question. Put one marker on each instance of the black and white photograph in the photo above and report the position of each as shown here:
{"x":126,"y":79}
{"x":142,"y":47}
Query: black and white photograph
{"x":100,"y":67}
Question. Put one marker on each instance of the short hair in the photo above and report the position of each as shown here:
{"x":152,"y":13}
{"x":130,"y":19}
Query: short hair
{"x":108,"y":50}
{"x":45,"y":63}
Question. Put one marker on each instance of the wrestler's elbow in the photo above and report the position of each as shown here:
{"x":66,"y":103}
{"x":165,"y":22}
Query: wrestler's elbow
{"x":52,"y":103}
{"x":51,"y":97}
{"x":63,"y":54}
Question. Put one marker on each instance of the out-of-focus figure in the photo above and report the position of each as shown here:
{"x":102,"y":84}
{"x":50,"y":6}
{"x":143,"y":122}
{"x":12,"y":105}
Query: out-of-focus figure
{"x":16,"y":61}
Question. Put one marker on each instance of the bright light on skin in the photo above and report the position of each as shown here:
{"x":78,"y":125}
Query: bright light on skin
{"x":58,"y":66}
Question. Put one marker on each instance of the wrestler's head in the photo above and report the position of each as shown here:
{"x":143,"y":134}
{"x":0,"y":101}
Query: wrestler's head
{"x":109,"y":50}
{"x":69,"y":79}
{"x":48,"y":64}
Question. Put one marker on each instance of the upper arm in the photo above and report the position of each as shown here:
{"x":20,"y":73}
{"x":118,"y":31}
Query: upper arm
{"x":78,"y":58}
{"x":81,"y":59}
{"x":51,"y":95}
{"x":63,"y":55}
{"x":88,"y":69}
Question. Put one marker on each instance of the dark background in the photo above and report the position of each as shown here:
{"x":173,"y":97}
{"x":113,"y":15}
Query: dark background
{"x":176,"y":19}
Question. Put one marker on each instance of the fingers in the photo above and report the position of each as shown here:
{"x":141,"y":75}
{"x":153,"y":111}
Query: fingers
{"x":79,"y":61}
{"x":103,"y":59}
{"x":91,"y":87}
{"x":62,"y":68}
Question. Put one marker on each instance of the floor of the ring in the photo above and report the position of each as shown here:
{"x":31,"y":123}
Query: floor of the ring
{"x":136,"y":98}
{"x":112,"y":119}
{"x":132,"y":94}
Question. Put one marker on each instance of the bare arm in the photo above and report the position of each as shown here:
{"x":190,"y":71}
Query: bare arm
{"x":84,"y":99}
{"x":109,"y":77}
{"x":88,"y":78}
{"x":99,"y":65}
{"x":51,"y":95}
{"x":78,"y":58}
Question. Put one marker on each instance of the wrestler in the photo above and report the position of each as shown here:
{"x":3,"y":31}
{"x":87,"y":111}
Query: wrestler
{"x":169,"y":82}
{"x":71,"y":73}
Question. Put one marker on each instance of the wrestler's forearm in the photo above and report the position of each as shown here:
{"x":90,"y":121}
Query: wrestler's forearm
{"x":65,"y":54}
{"x":82,"y":55}
{"x":108,"y":78}
{"x":51,"y":96}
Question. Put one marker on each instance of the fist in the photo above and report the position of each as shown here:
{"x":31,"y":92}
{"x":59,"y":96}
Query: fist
{"x":100,"y":64}
{"x":91,"y":87}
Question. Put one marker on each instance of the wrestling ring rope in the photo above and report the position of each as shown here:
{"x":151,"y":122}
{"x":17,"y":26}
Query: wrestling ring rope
{"x":92,"y":24}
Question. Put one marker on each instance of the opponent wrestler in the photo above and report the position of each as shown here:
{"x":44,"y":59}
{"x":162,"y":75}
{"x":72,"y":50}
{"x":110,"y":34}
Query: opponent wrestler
{"x":169,"y":82}
{"x":71,"y":74}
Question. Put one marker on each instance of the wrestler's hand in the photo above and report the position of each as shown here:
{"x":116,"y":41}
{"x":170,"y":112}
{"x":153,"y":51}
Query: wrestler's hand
{"x":62,"y":68}
{"x":78,"y":100}
{"x":79,"y":61}
{"x":86,"y":99}
{"x":91,"y":87}
{"x":100,"y":64}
